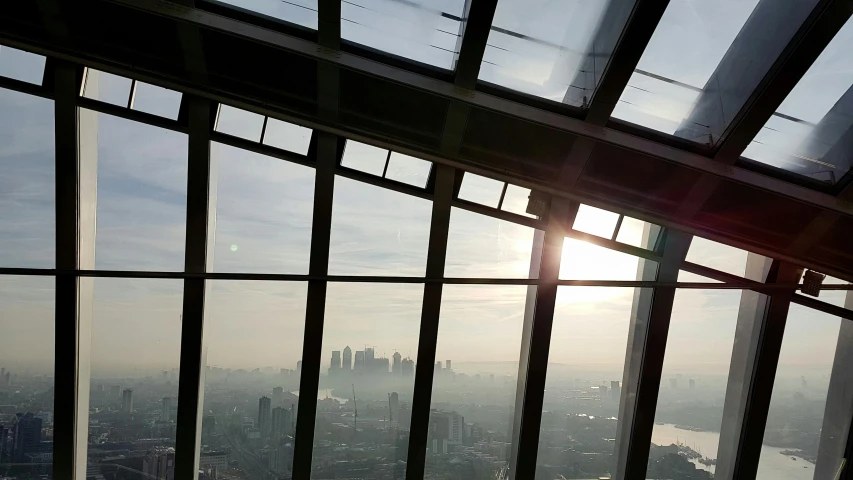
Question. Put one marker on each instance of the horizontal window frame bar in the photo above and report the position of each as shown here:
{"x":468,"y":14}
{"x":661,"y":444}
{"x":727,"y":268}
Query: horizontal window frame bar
{"x":132,"y":115}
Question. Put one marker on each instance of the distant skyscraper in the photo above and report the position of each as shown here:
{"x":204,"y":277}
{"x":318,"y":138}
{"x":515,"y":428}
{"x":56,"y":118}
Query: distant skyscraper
{"x":408,"y":368}
{"x":673,"y":383}
{"x":2,"y":373}
{"x":447,"y":365}
{"x":397,"y":366}
{"x":280,"y":424}
{"x":299,"y":366}
{"x":26,"y":436}
{"x":166,"y":412}
{"x":369,"y":357}
{"x":8,"y":379}
{"x":615,"y":390}
{"x":127,"y":401}
{"x":347,"y":359}
{"x":692,"y":384}
{"x":264,"y":416}
{"x":359,"y":361}
{"x":438,"y":366}
{"x":277,"y":396}
{"x":335,"y":366}
{"x":394,"y":405}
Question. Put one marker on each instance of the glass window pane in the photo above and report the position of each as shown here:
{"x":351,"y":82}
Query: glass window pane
{"x":136,"y":350}
{"x":365,"y":158}
{"x":479,"y":246}
{"x":239,"y":123}
{"x":253,"y":341}
{"x":833,"y":297}
{"x":585,"y":261}
{"x":541,"y":47}
{"x":157,"y":100}
{"x":693,"y":383}
{"x":142,"y":196}
{"x":482,"y":190}
{"x":582,"y":389}
{"x":287,"y":136}
{"x":27,"y":320}
{"x":595,"y":221}
{"x":478,"y":351}
{"x":377,"y":231}
{"x":687,"y":277}
{"x":811,"y":131}
{"x":21,"y":65}
{"x":409,"y":170}
{"x":423,"y":31}
{"x":107,"y":87}
{"x":264,"y":207}
{"x":688,"y":44}
{"x":300,"y":12}
{"x":516,"y":199}
{"x":638,"y":233}
{"x":717,"y":256}
{"x":378,"y":324}
{"x":799,"y":398}
{"x":27,"y":205}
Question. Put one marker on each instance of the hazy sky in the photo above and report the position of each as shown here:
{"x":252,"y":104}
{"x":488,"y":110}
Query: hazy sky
{"x":263,"y":225}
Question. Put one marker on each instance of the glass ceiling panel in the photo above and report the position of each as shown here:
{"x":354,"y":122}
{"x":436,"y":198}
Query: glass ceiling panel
{"x":419,"y":30}
{"x":21,"y":65}
{"x":812,"y":131}
{"x":688,"y":44}
{"x":542,"y":47}
{"x":300,"y":12}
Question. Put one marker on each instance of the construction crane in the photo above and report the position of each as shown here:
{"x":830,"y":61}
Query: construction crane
{"x":355,"y":407}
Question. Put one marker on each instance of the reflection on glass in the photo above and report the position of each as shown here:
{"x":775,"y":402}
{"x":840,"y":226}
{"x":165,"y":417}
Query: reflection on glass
{"x":638,"y":233}
{"x":688,"y":277}
{"x":239,"y":123}
{"x":409,"y":170}
{"x":485,"y":247}
{"x":473,"y":393}
{"x":263,"y":213}
{"x":482,"y":190}
{"x":300,"y":12}
{"x":142,"y":196}
{"x":693,"y":384}
{"x":364,"y":407}
{"x":253,"y":342}
{"x":595,"y":221}
{"x":377,"y":231}
{"x":688,"y":44}
{"x":365,"y":158}
{"x":582,"y":390}
{"x":133,"y":400}
{"x":812,"y":131}
{"x":516,"y":199}
{"x":287,"y":136}
{"x":156,"y":100}
{"x":107,"y":87}
{"x":542,"y":48}
{"x":27,"y":190}
{"x":795,"y":418}
{"x":423,"y":31}
{"x":21,"y":65}
{"x":26,"y":376}
{"x":717,"y":256}
{"x":585,"y":261}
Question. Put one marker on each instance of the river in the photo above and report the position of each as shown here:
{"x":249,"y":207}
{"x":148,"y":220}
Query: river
{"x":772,"y":465}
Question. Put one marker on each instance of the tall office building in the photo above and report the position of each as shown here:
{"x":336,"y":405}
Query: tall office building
{"x":692,"y":384}
{"x":347,"y":358}
{"x":335,"y":366}
{"x":166,"y":412}
{"x":299,"y":366}
{"x":438,"y":367}
{"x":408,"y":368}
{"x":264,"y":416}
{"x":359,"y":361}
{"x":280,"y":424}
{"x":369,"y":359}
{"x":394,"y":406}
{"x":447,"y":365}
{"x":26,"y":436}
{"x":615,"y":390}
{"x":127,"y":401}
{"x":8,"y":379}
{"x":159,"y":463}
{"x":397,"y":366}
{"x":277,"y":396}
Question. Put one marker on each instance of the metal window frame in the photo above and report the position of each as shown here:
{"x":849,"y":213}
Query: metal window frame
{"x":73,"y":269}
